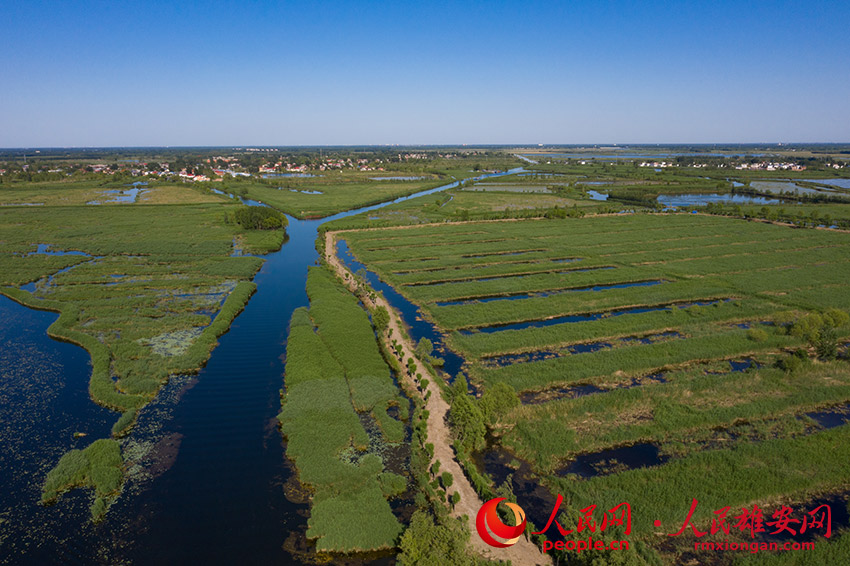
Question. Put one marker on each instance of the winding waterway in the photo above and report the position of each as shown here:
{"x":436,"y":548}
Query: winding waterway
{"x":208,"y":480}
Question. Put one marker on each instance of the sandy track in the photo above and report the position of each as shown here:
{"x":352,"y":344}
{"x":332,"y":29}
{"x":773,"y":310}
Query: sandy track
{"x":523,"y":552}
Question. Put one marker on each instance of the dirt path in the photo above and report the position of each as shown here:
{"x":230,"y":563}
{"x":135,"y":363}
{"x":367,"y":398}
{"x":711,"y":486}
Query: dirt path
{"x":523,"y":552}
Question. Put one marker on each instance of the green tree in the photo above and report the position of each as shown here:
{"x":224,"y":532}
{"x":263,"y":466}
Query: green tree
{"x":381,"y":319}
{"x":447,"y":480}
{"x":424,"y":348}
{"x":467,"y":423}
{"x":497,"y":400}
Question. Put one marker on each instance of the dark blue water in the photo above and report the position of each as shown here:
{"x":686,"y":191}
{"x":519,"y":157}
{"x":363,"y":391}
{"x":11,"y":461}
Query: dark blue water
{"x":44,"y":400}
{"x":569,"y":392}
{"x":583,"y":317}
{"x":832,"y":418}
{"x":737,"y":366}
{"x":575,"y":391}
{"x":583,"y":348}
{"x":513,"y":297}
{"x":626,"y":457}
{"x":214,"y":478}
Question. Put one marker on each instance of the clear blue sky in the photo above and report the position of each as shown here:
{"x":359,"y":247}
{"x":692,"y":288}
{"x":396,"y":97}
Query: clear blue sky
{"x":286,"y":73}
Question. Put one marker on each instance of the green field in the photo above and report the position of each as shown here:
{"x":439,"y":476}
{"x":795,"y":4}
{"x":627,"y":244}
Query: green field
{"x":607,"y":301}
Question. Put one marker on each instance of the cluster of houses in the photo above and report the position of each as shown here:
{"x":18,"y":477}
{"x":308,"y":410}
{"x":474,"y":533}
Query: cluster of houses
{"x":770,"y":166}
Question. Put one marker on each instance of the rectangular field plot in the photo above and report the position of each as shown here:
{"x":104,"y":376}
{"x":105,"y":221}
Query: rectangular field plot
{"x":647,"y":351}
{"x":544,"y":285}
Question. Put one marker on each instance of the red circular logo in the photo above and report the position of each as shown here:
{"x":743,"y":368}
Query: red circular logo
{"x":488,"y":522}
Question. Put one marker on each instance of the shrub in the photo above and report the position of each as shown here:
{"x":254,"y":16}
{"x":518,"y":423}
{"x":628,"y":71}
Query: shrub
{"x":497,"y":400}
{"x":826,"y":343}
{"x":757,"y":334}
{"x":791,"y":364}
{"x":446,"y":479}
{"x":425,"y":543}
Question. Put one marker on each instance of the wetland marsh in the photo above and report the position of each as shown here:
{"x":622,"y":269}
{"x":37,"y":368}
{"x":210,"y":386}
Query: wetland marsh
{"x":630,"y":349}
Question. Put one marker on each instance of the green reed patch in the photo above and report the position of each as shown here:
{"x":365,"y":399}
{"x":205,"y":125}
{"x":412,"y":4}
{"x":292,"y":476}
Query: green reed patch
{"x":334,"y":371}
{"x":98,"y":466}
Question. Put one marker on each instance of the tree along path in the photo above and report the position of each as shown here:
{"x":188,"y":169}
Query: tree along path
{"x":523,"y":552}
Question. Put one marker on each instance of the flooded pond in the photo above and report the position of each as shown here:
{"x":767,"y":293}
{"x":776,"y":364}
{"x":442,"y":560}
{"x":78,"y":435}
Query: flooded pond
{"x":44,"y":249}
{"x":580,"y":390}
{"x":45,"y":410}
{"x":523,"y":295}
{"x":596,"y":195}
{"x":839,"y":183}
{"x":688,"y":200}
{"x":781,"y":187}
{"x":534,"y":498}
{"x":831,"y":418}
{"x":121,"y":195}
{"x":584,"y":317}
{"x":614,"y":460}
{"x":582,"y":348}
